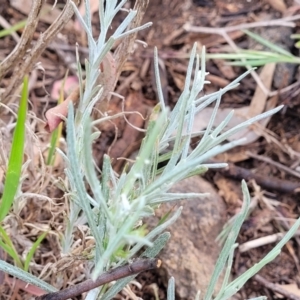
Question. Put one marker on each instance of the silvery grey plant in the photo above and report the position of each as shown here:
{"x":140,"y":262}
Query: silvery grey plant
{"x":118,"y":204}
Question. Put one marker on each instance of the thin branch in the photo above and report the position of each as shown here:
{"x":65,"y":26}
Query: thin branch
{"x":19,"y":51}
{"x":287,"y":22}
{"x":263,"y":241}
{"x":266,"y":182}
{"x":126,"y":47}
{"x":276,"y":288}
{"x":274,"y":163}
{"x":42,"y":43}
{"x":115,"y":274}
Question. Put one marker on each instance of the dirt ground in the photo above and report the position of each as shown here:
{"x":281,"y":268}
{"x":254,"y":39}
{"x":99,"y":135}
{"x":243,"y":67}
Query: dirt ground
{"x":270,"y":163}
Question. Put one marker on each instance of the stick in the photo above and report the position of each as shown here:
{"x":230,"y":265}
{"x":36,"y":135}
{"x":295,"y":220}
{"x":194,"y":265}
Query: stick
{"x":29,"y":59}
{"x":263,"y":241}
{"x":115,"y":274}
{"x":266,"y":182}
{"x":275,"y":288}
{"x":287,"y":21}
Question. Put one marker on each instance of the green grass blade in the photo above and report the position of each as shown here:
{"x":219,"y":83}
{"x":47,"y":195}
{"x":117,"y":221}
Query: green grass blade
{"x":53,"y":143}
{"x":16,"y":156}
{"x":32,"y":250}
{"x":262,"y":62}
{"x":267,"y":43}
{"x":7,"y":245}
{"x":56,"y":134}
{"x":13,"y":28}
{"x":253,"y":63}
{"x":236,"y":56}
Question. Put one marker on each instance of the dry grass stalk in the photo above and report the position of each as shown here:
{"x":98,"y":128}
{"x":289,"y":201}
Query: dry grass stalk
{"x":25,"y":62}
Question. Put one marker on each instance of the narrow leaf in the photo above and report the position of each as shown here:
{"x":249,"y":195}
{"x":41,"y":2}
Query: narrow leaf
{"x":32,"y":250}
{"x":16,"y":156}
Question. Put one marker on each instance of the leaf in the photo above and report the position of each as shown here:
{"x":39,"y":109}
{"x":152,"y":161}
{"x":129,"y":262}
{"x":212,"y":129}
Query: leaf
{"x":94,"y":6}
{"x":228,"y":246}
{"x":171,"y":289}
{"x":12,"y":29}
{"x":16,"y":156}
{"x":32,"y":250}
{"x":279,"y":5}
{"x":7,"y":245}
{"x":259,"y":99}
{"x":258,"y":105}
{"x":56,"y":134}
{"x":267,"y":43}
{"x":25,"y":276}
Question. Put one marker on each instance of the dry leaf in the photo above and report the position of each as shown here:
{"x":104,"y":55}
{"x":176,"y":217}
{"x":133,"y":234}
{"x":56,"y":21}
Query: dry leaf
{"x":240,"y":115}
{"x":259,"y":99}
{"x":291,"y":288}
{"x":70,"y":84}
{"x":108,"y":73}
{"x":279,"y":5}
{"x":28,"y":288}
{"x":258,"y":105}
{"x":48,"y":14}
{"x":230,"y":190}
{"x":226,"y":69}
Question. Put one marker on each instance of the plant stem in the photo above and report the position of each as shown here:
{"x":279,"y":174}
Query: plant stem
{"x":115,"y":274}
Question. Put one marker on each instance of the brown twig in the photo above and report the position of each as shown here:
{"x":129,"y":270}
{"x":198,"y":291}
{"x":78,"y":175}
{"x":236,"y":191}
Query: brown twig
{"x":267,"y":182}
{"x":287,"y":21}
{"x":19,"y":51}
{"x":42,"y":43}
{"x":263,"y":241}
{"x":275,"y":288}
{"x":274,"y":163}
{"x":125,"y":49}
{"x":115,"y":274}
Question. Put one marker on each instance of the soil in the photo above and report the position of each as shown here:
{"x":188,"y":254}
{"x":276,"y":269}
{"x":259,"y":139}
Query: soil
{"x":279,"y":142}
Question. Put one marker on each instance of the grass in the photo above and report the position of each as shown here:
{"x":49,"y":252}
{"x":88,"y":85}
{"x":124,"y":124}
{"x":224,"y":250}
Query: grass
{"x":56,"y":134}
{"x":12,"y":183}
{"x":254,"y":58}
{"x":15,"y":162}
{"x":14,"y":28}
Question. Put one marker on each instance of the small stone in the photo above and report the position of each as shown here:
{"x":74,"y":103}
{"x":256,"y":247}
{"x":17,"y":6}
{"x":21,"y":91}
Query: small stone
{"x":192,"y":251}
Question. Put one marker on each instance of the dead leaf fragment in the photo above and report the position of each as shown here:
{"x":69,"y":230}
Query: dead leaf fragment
{"x":106,"y":79}
{"x":279,"y":5}
{"x":48,"y":15}
{"x":258,"y":105}
{"x":258,"y":102}
{"x":291,"y":288}
{"x":69,"y":85}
